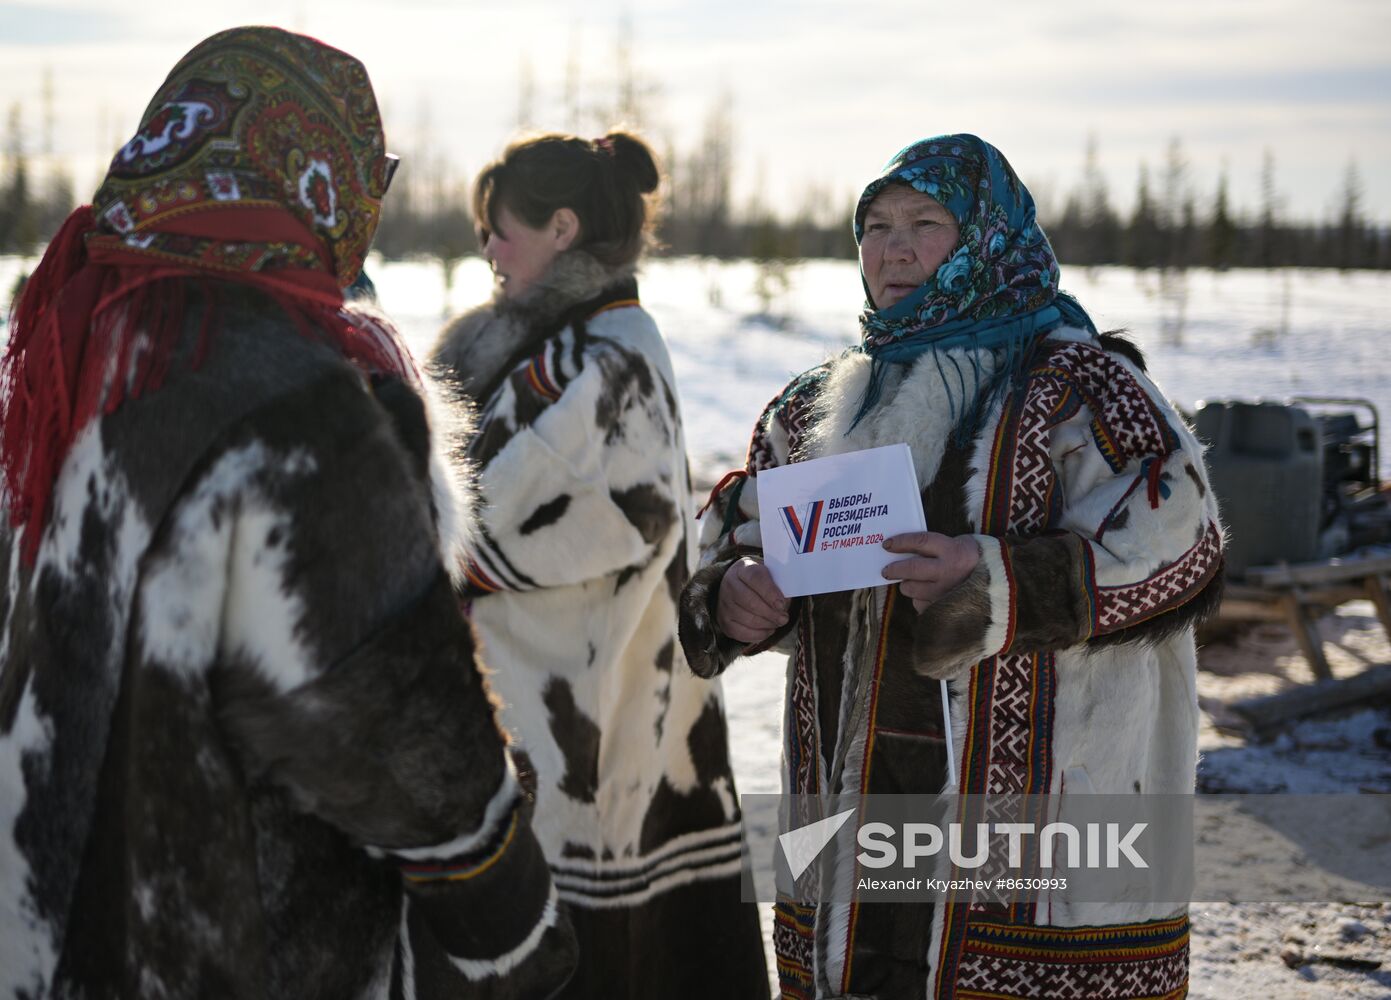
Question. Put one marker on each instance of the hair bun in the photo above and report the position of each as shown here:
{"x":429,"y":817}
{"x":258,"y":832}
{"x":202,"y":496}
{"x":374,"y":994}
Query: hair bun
{"x":634,"y":157}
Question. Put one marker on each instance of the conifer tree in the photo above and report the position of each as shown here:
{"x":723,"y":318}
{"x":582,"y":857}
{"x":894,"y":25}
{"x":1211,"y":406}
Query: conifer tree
{"x":1268,"y":245}
{"x":1142,"y":237}
{"x":18,"y":225}
{"x":1221,"y":230}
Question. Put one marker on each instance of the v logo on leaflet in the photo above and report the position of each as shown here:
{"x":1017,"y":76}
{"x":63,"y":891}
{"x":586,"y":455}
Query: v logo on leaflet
{"x":804,"y":530}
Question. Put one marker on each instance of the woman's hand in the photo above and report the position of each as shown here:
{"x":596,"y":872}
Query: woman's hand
{"x":938,"y":563}
{"x":750,"y":607}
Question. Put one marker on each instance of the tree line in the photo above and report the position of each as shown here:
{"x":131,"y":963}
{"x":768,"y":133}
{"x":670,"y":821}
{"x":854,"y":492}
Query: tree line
{"x":1172,"y":225}
{"x":1169,"y":225}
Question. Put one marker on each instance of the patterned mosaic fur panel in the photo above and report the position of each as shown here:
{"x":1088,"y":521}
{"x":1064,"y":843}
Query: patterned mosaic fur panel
{"x":232,"y":744}
{"x":1110,"y":527}
{"x":1143,"y":961}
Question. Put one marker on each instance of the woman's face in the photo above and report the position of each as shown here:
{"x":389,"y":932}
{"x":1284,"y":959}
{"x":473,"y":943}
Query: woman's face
{"x":907,"y":236}
{"x":520,"y":254}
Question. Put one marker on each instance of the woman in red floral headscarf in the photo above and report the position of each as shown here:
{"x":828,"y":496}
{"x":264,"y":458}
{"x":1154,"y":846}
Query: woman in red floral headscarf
{"x":244,"y":747}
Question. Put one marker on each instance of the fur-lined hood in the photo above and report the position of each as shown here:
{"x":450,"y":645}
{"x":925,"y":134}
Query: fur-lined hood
{"x":487,"y":340}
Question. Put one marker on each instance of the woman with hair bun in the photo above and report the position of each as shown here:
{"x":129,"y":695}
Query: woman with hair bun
{"x":584,"y":549}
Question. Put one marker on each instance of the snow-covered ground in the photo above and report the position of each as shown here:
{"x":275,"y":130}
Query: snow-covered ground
{"x":1208,"y":336}
{"x":1238,"y":334}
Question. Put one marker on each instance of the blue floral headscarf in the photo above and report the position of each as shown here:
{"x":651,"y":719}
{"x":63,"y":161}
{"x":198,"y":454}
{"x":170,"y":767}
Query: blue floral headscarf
{"x":997,"y":291}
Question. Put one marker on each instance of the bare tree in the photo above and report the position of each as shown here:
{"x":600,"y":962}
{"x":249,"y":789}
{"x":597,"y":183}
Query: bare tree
{"x":1349,"y":230}
{"x":627,"y":105}
{"x":526,"y":95}
{"x":709,"y":177}
{"x":573,"y":109}
{"x":1175,"y":212}
{"x":1268,"y":228}
{"x":48,"y":117}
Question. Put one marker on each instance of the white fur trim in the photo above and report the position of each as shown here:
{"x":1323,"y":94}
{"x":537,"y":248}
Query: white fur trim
{"x":580,"y":868}
{"x":958,"y":699}
{"x":1072,"y":334}
{"x":665,"y":883}
{"x":452,"y":480}
{"x":915,"y":408}
{"x":499,"y":808}
{"x":407,"y":952}
{"x":477,"y":969}
{"x":1001,"y":590}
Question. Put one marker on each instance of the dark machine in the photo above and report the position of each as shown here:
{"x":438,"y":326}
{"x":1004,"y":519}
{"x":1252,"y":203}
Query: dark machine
{"x":1297,"y":481}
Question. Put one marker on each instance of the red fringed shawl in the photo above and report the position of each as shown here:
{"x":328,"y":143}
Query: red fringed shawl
{"x":260,"y":162}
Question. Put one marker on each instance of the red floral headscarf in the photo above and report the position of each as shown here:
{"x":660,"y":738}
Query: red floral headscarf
{"x":260,"y":161}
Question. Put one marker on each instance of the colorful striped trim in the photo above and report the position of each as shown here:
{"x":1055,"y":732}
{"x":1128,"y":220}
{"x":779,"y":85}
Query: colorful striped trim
{"x":794,"y":932}
{"x":1126,"y":421}
{"x":474,"y":574}
{"x":1140,"y":961}
{"x":1011,"y":697}
{"x":498,"y":567}
{"x":996,"y":506}
{"x":461,"y":873}
{"x":1089,"y":590}
{"x":1176,"y":584}
{"x":1013,"y":622}
{"x":1176,"y":994}
{"x":540,"y":378}
{"x":616,"y":304}
{"x":1106,"y":444}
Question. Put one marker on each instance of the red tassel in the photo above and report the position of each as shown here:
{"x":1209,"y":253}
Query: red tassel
{"x":81,"y":310}
{"x":64,"y":257}
{"x":1155,"y":471}
{"x":728,"y":478}
{"x":36,"y":381}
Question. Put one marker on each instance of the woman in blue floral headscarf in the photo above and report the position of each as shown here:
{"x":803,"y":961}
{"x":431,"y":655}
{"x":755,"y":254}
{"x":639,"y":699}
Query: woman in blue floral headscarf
{"x":1074,"y":546}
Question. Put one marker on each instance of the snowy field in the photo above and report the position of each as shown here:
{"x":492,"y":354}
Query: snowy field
{"x":1207,"y":336}
{"x":1240,"y":334}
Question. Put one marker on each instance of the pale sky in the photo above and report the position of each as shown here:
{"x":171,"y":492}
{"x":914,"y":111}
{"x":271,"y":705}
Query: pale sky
{"x":822,"y":92}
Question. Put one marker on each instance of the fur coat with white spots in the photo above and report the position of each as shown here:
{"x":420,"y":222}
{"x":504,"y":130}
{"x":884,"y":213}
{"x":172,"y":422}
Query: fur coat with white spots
{"x":245,"y":746}
{"x":584,"y":544}
{"x":1069,"y":651}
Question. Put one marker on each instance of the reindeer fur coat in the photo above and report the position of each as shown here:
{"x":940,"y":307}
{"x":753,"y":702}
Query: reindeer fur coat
{"x":1069,"y":652}
{"x":585,"y":543}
